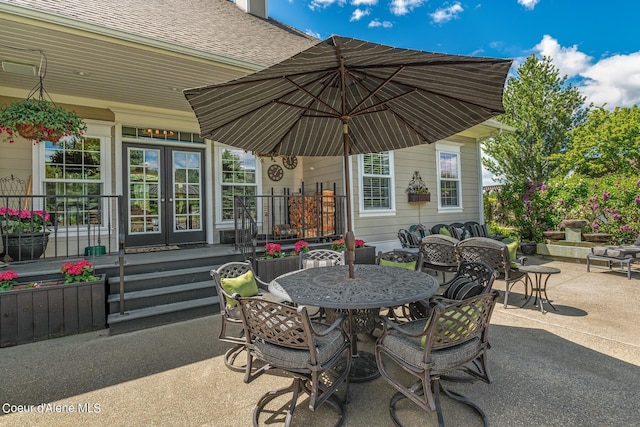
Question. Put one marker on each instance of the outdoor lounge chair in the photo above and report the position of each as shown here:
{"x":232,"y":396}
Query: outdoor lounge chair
{"x":321,"y":258}
{"x":239,"y":272}
{"x":408,"y":239}
{"x":496,"y":255}
{"x":471,"y":279}
{"x":450,"y":344}
{"x":284,"y":337}
{"x":622,"y":255}
{"x":438,"y":252}
{"x":400,"y":259}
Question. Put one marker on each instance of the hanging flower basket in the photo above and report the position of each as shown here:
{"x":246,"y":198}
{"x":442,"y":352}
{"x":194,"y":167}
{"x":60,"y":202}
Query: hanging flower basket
{"x":39,"y":120}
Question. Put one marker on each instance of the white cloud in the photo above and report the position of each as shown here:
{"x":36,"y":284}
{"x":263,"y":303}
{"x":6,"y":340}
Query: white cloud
{"x":446,"y":14}
{"x":313,"y":34}
{"x":323,"y":4}
{"x":402,"y":7}
{"x":568,"y":60}
{"x":358,"y":14}
{"x":364,"y":2}
{"x":528,"y":4}
{"x":614,"y":81}
{"x":377,"y":23}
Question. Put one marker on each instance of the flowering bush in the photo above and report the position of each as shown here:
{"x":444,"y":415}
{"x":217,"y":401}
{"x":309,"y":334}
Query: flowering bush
{"x":339,"y":245}
{"x":301,"y":246}
{"x":273,"y":250}
{"x":609,"y":204}
{"x":23,"y":221}
{"x":81,"y":271}
{"x":8,"y":280}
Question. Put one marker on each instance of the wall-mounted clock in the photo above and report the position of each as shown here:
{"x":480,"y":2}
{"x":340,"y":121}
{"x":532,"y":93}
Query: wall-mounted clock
{"x":290,"y":162}
{"x":275,"y":173}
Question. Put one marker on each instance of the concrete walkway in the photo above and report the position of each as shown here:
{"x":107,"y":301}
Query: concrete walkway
{"x":579,"y":366}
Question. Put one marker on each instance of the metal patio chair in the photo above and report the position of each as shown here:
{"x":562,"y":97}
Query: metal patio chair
{"x":451,"y":344}
{"x":438,"y":252}
{"x":229,"y":310}
{"x":318,"y":356}
{"x":496,"y":255}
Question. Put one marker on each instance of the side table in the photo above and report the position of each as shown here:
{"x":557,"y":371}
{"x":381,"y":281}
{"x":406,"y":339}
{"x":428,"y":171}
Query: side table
{"x":541,"y":274}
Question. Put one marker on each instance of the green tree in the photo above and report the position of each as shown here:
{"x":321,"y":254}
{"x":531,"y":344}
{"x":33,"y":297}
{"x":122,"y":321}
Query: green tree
{"x":543,"y":108}
{"x":607,"y":142}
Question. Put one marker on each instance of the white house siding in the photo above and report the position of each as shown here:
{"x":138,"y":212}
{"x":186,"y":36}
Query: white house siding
{"x":381,"y":231}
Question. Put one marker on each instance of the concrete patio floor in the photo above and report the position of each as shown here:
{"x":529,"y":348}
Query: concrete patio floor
{"x":578,"y":366}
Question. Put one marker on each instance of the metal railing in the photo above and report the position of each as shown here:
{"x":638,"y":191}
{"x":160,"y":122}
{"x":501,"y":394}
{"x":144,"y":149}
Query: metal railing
{"x":287,"y":218}
{"x":53,"y":227}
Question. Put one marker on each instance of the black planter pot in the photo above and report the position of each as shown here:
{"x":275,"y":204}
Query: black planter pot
{"x":25,"y":246}
{"x":528,"y":248}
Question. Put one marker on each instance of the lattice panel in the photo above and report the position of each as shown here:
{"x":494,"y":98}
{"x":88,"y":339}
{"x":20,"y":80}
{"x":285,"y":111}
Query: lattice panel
{"x":275,"y":323}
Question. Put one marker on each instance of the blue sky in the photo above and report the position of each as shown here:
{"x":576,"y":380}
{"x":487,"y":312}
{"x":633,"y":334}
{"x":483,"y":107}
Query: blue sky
{"x":594,"y":43}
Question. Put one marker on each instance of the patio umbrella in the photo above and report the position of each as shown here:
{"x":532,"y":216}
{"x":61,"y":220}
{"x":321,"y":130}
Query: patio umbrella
{"x":346,"y":96}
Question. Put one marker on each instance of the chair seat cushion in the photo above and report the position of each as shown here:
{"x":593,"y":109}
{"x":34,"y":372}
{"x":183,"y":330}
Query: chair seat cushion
{"x":462,"y":287}
{"x":621,"y":252}
{"x":245,"y":285}
{"x":313,"y":263}
{"x":409,"y":349}
{"x":407,"y":265}
{"x":291,"y":358}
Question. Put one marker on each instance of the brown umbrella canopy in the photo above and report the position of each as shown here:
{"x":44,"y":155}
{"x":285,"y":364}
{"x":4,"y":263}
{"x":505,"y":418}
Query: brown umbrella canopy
{"x":346,"y":96}
{"x":390,"y":98}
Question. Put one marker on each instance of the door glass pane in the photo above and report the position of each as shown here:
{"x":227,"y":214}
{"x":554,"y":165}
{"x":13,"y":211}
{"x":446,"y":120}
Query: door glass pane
{"x":186,"y":191}
{"x":144,"y":197}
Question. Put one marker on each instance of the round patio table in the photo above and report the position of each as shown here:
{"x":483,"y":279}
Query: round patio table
{"x":372,"y":287}
{"x":541,"y":274}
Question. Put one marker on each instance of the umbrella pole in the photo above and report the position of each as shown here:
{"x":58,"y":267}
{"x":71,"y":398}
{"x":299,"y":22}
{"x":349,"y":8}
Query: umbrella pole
{"x":349,"y":240}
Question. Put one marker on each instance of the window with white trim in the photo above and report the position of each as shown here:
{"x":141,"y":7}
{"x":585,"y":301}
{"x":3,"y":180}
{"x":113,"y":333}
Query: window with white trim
{"x":376,"y":182}
{"x":449,"y":183}
{"x":74,"y":167}
{"x":238,"y":176}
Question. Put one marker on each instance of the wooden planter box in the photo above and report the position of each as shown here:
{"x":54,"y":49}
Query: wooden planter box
{"x":34,"y":314}
{"x":269,"y":269}
{"x":365,"y":255}
{"x":419,"y":197}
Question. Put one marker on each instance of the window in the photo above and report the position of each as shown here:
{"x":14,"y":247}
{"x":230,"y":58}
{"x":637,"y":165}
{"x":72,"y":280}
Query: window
{"x":449,"y":185}
{"x":376,"y":182}
{"x":238,"y":177}
{"x":74,"y":167}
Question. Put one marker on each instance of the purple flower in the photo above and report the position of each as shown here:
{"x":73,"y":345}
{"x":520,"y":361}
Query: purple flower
{"x":595,"y":224}
{"x":625,"y":228}
{"x":605,"y":195}
{"x":616,"y":216}
{"x":637,"y":200}
{"x":594,"y":207}
{"x":638,"y":183}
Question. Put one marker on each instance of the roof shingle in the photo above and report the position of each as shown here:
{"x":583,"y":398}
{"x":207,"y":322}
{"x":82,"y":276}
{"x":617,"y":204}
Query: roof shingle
{"x":212,"y":26}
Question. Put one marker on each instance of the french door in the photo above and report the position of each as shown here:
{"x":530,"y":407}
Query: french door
{"x":163,"y":192}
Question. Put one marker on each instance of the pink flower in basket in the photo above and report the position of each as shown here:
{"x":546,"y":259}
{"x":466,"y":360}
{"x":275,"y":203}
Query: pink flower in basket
{"x":301,"y":246}
{"x":273,"y":250}
{"x":8,"y":280}
{"x":81,"y":271}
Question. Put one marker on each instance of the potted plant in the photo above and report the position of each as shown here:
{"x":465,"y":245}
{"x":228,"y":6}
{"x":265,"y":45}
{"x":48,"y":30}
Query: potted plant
{"x":39,"y":120}
{"x":364,"y":254}
{"x":417,"y":190}
{"x":25,"y":234}
{"x":274,"y":262}
{"x":37,"y":308}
